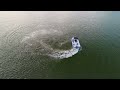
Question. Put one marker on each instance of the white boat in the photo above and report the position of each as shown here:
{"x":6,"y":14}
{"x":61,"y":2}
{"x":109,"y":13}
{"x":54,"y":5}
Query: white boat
{"x":75,"y":43}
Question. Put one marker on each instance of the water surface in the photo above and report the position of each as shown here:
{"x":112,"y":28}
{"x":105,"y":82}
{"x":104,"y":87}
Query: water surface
{"x":28,"y":38}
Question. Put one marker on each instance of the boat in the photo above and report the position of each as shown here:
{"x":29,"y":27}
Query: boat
{"x":75,"y":43}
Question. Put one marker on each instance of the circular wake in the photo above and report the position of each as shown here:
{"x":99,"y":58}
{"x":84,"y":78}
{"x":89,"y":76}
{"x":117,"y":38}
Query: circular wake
{"x":46,"y":43}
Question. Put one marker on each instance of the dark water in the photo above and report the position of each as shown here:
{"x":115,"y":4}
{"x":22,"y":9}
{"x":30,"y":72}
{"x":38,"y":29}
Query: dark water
{"x":27,"y":39}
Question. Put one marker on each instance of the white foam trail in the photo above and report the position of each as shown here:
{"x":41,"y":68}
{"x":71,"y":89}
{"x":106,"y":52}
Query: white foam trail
{"x":64,"y":54}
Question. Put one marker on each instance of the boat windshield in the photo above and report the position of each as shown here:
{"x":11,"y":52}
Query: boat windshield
{"x":75,"y":38}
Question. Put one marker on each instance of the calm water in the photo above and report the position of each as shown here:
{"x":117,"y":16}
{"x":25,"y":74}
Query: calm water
{"x":28,"y":38}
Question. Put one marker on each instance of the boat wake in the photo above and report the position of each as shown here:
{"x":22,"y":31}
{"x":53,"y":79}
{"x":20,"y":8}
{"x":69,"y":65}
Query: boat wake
{"x":36,"y":44}
{"x":64,"y":54}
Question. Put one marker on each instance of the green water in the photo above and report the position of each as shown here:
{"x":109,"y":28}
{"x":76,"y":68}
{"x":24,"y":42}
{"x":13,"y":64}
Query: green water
{"x":21,"y":49}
